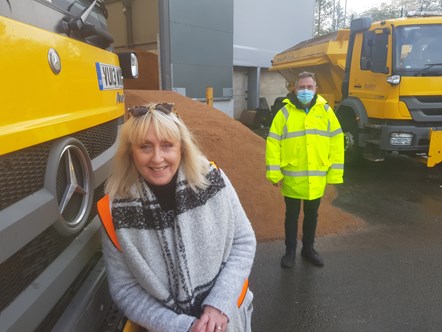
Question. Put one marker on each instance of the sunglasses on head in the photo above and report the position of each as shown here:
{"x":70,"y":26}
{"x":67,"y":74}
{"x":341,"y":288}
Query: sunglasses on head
{"x":137,"y":111}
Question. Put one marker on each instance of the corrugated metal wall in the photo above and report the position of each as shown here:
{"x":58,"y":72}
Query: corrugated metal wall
{"x":201,"y":46}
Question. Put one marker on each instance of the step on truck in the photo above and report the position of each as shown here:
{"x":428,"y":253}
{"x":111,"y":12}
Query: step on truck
{"x":62,"y":101}
{"x":384,"y":82}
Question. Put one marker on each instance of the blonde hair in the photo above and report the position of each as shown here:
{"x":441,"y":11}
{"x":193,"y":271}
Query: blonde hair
{"x":166,"y":126}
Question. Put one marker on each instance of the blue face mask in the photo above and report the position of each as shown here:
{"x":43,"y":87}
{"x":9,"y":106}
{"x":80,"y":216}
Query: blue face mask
{"x":305,"y":96}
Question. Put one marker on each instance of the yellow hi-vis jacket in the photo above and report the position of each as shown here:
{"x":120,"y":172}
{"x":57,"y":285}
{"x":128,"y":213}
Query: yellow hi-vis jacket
{"x":305,"y":150}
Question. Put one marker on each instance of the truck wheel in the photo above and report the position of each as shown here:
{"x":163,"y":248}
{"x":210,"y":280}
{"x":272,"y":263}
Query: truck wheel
{"x":351,"y":141}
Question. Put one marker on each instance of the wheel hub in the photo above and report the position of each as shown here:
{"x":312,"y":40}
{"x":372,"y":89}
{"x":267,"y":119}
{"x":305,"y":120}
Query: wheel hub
{"x":349,"y":141}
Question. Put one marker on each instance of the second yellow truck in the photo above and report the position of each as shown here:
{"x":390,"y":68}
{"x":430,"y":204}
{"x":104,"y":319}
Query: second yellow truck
{"x":384,"y":81}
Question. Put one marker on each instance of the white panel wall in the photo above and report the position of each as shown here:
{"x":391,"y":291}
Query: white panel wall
{"x":272,"y":86}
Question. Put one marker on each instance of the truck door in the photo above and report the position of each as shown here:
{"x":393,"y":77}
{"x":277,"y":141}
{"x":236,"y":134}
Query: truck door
{"x":370,"y":68}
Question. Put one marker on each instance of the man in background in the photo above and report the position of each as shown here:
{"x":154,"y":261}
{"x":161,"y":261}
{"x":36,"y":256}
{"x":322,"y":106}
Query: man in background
{"x":304,"y":152}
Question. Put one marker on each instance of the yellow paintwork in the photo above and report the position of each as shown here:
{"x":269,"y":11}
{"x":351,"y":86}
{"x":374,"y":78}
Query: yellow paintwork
{"x":435,"y":149}
{"x":132,"y":327}
{"x":323,"y":55}
{"x":38,"y":105}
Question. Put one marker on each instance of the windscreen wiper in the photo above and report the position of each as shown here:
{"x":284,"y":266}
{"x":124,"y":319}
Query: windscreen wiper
{"x":78,"y":27}
{"x":76,"y":23}
{"x":428,"y":66}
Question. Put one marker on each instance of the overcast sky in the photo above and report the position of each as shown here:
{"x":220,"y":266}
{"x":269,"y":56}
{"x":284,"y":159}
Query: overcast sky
{"x":359,"y":6}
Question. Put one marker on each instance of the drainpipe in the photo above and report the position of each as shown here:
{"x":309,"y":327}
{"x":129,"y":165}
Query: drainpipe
{"x":129,"y":22}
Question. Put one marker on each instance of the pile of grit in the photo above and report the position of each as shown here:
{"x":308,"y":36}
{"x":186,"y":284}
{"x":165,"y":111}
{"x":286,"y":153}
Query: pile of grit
{"x":240,"y":153}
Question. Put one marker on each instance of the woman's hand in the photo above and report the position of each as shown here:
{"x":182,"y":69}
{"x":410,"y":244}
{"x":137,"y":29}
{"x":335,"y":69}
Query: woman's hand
{"x":212,"y":320}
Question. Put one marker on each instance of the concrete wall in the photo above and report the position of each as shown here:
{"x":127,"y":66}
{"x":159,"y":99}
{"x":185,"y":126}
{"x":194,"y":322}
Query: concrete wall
{"x":272,"y":85}
{"x":239,"y":90}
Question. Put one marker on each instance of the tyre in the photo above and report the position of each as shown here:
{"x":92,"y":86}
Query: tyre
{"x":351,"y":138}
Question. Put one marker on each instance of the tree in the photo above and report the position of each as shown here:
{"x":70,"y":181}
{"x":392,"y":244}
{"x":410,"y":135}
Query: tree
{"x":323,"y":17}
{"x":383,"y":12}
{"x":330,"y":16}
{"x":399,"y":8}
{"x":417,"y":5}
{"x":339,"y":17}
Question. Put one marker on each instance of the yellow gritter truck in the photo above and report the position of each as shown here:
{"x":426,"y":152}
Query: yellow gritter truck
{"x":384,"y":81}
{"x":62,"y":101}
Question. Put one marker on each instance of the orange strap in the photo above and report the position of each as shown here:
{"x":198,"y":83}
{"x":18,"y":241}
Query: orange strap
{"x":104,"y":212}
{"x":245,"y":287}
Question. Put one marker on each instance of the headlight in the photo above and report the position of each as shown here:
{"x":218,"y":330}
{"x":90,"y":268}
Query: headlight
{"x":129,"y":64}
{"x":134,"y":65}
{"x":401,"y":139}
{"x":394,"y":79}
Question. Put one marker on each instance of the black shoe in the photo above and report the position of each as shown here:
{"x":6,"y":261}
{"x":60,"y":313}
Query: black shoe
{"x":311,"y":255}
{"x":288,"y":260}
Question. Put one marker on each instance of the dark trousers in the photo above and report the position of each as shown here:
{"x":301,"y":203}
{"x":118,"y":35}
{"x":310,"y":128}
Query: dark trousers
{"x":292,"y":209}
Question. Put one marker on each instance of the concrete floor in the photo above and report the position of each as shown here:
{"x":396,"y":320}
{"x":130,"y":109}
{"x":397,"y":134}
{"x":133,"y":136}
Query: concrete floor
{"x":385,"y":278}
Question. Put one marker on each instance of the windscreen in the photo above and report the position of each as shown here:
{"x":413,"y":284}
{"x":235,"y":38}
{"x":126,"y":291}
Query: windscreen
{"x":418,"y":50}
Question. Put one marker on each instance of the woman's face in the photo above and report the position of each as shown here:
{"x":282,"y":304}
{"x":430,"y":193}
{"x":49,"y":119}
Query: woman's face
{"x":157,"y":160}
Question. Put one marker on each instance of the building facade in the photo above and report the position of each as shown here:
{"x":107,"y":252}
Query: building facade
{"x":226,"y":45}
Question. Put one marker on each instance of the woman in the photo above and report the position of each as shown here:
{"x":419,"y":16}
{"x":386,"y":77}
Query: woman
{"x":186,"y":245}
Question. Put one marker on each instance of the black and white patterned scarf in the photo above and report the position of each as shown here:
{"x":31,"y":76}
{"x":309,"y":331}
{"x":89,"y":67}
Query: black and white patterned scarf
{"x":162,"y":248}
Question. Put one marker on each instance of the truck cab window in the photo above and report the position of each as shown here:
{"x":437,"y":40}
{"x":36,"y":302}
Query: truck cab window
{"x":367,"y":50}
{"x":374,"y":51}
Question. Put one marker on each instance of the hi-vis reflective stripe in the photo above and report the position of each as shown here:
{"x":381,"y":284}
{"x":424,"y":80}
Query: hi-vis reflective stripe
{"x":287,"y":134}
{"x":337,"y":166}
{"x":304,"y":173}
{"x":336,"y":132}
{"x":273,"y":167}
{"x":275,"y":136}
{"x":301,"y":133}
{"x":104,"y":212}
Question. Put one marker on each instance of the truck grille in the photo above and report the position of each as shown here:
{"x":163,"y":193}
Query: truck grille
{"x":22,"y":173}
{"x":425,"y":110}
{"x":20,"y":270}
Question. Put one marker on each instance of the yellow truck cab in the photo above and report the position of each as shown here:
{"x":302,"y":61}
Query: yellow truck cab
{"x":384,"y":81}
{"x":62,"y":101}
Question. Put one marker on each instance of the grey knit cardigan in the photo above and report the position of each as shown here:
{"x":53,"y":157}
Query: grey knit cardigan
{"x":171,"y":266}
